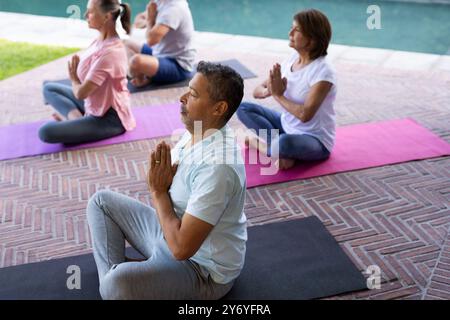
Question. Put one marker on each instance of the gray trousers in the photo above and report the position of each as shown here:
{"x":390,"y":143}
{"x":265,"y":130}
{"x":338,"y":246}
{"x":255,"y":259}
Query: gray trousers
{"x":114,"y":218}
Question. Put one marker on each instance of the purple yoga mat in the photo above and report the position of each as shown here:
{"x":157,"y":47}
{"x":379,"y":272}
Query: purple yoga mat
{"x":357,"y":146}
{"x":362,"y":146}
{"x":152,"y":122}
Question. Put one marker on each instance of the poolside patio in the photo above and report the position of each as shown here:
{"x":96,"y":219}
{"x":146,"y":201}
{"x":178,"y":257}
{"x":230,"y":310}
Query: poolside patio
{"x":396,"y":216}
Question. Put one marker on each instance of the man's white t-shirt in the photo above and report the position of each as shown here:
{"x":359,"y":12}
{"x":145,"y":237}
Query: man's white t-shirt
{"x":210,"y":184}
{"x":299,"y":83}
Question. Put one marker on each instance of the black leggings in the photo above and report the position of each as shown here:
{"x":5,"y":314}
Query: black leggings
{"x":86,"y":129}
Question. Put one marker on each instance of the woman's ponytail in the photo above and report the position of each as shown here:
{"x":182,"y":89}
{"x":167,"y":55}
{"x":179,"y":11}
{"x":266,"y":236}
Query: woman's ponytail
{"x":118,"y":9}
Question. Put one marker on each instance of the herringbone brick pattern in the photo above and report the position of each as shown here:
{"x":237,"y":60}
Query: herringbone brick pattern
{"x":396,"y":217}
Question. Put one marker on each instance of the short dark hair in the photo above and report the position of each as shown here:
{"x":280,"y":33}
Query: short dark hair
{"x":315,"y":26}
{"x":225,"y":84}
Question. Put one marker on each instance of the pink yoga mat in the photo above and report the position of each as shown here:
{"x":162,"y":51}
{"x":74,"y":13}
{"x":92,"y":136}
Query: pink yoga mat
{"x":152,"y":122}
{"x":363,"y":146}
{"x":357,"y":146}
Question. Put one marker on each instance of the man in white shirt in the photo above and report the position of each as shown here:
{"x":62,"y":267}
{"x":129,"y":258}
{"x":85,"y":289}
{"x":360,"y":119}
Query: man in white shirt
{"x":194,"y":236}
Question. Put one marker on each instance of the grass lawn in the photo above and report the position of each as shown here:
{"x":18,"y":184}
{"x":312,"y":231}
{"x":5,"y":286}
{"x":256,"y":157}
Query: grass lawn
{"x":17,"y":57}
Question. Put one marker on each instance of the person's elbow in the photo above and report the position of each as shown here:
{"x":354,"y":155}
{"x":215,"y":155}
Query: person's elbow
{"x":304,"y":118}
{"x":306,"y":115}
{"x":181,"y":256}
{"x":151,"y":42}
{"x":153,"y":39}
{"x":183,"y":253}
{"x":80,"y":95}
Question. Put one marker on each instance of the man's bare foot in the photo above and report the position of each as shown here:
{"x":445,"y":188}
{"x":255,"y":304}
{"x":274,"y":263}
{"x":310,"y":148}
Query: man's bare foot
{"x":57,"y":117}
{"x":140,"y":81}
{"x":285,"y":164}
{"x":257,"y":144}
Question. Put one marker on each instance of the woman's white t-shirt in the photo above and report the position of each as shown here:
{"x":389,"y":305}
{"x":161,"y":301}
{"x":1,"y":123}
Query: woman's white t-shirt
{"x":299,"y":83}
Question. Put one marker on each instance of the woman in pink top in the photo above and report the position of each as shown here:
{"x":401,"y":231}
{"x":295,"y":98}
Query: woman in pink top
{"x":97,"y":104}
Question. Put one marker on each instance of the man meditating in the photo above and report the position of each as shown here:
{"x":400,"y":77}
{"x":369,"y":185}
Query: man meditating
{"x":194,"y":236}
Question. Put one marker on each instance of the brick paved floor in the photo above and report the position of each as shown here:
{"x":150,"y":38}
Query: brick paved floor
{"x":395,"y":216}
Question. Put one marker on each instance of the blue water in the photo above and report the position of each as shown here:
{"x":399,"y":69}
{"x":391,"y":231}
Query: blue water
{"x":404,"y":26}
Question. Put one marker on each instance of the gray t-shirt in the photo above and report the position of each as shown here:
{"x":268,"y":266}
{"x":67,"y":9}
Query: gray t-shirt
{"x":178,"y":42}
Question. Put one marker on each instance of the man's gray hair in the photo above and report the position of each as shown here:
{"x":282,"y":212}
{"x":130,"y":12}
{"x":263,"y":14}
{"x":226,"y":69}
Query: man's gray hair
{"x":225,"y":84}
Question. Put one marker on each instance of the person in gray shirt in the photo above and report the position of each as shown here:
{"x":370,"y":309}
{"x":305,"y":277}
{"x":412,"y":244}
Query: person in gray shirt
{"x":168,"y":54}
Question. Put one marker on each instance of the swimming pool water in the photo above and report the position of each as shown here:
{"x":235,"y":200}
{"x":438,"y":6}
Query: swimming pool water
{"x":404,"y":25}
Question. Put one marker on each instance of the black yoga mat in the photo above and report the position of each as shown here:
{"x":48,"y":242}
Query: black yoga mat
{"x":296,"y":259}
{"x":233,"y":63}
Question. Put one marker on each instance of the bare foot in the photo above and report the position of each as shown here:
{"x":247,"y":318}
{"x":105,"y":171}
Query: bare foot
{"x":140,"y":81}
{"x":257,"y":144}
{"x":57,"y":117}
{"x":284,"y":164}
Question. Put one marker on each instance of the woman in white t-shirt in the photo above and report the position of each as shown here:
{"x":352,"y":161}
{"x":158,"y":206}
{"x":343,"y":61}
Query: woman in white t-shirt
{"x":305,"y":86}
